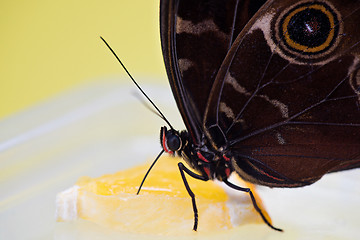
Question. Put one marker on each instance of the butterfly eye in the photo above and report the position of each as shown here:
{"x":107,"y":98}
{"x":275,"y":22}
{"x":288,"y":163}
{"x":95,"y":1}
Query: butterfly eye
{"x":173,"y":141}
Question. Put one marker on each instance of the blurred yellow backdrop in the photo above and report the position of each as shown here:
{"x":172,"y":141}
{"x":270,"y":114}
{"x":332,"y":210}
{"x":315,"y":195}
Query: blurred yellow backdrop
{"x":47,"y":47}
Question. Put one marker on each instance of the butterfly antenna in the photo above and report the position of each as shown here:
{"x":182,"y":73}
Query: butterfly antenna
{"x":148,"y":171}
{"x":146,"y":104}
{"x":136,"y":84}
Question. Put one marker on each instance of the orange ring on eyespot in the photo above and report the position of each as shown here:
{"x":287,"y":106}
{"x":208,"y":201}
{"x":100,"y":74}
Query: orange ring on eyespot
{"x":304,"y":48}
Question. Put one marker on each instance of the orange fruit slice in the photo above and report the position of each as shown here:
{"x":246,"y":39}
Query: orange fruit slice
{"x":163,"y":205}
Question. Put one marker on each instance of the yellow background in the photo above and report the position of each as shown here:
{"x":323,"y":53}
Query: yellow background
{"x":47,"y":47}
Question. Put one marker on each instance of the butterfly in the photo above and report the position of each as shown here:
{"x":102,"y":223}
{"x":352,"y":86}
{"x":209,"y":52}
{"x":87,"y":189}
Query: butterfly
{"x":269,"y":90}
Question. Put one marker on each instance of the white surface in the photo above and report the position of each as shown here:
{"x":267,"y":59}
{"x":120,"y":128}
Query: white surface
{"x":97,"y":129}
{"x":103,"y":128}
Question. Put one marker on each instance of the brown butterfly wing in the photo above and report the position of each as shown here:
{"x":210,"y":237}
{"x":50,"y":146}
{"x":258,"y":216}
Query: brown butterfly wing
{"x":287,"y":113}
{"x":195,"y":38}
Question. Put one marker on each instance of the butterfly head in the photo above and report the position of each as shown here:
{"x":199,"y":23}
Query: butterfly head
{"x":170,"y":140}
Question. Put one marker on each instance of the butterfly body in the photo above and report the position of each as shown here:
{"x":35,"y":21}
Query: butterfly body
{"x":267,"y":89}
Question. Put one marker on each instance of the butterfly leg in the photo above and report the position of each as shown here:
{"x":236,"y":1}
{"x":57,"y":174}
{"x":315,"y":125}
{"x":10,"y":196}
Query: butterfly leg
{"x":183,"y":169}
{"x":257,"y":208}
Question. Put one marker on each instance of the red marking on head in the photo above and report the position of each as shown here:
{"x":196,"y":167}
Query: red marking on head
{"x":202,"y":157}
{"x":164,"y":145}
